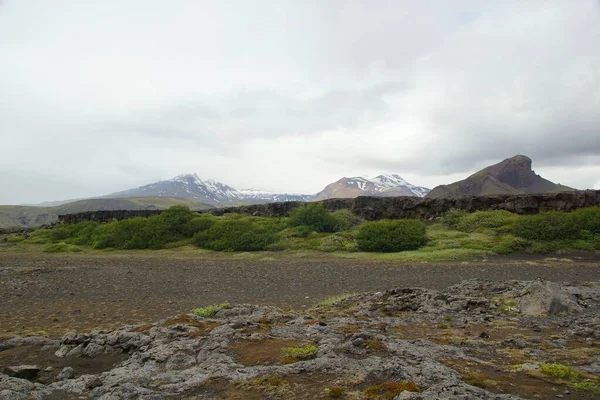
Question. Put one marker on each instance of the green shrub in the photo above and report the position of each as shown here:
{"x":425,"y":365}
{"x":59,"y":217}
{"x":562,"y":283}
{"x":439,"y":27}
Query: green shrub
{"x":452,"y":218}
{"x":345,"y":220}
{"x":176,"y":218}
{"x":588,"y":221}
{"x":79,"y":233}
{"x":156,"y":232}
{"x":482,"y":220}
{"x":391,"y":236}
{"x":239,"y":235}
{"x":201,"y":223}
{"x":61,"y":248}
{"x":315,"y":216}
{"x":547,"y":226}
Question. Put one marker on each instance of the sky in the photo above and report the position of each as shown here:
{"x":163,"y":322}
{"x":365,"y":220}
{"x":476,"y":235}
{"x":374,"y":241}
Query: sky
{"x":288,"y":96}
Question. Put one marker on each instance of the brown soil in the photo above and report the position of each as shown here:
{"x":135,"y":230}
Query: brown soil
{"x":52,"y":294}
{"x":267,"y":351}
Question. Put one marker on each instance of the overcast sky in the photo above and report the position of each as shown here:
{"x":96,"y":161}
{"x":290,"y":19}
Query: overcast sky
{"x":102,"y":96}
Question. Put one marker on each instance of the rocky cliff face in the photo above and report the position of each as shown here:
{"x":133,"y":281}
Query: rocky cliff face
{"x":511,"y":176}
{"x":374,"y":208}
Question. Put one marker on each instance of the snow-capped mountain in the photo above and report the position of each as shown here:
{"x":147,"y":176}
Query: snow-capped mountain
{"x":385,"y":185}
{"x":190,"y":186}
{"x":270,"y":197}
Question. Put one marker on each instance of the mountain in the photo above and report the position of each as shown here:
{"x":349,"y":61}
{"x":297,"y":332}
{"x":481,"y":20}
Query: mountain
{"x":31,"y":216}
{"x":513,"y":175}
{"x":386,"y":185}
{"x":190,"y":186}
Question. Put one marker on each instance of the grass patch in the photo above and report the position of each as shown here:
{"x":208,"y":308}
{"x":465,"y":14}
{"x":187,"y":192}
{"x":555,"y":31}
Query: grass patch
{"x":62,"y":248}
{"x":210,"y":311}
{"x":587,"y":386}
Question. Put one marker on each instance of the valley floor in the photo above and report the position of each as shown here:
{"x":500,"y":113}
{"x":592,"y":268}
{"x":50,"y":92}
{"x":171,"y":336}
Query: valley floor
{"x":49,"y":294}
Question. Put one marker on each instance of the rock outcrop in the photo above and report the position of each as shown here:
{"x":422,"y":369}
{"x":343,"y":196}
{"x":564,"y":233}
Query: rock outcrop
{"x":511,"y":176}
{"x":405,"y":343}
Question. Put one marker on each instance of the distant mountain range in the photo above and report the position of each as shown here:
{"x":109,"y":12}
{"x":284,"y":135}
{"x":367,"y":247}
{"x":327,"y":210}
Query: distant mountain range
{"x":380,"y":186}
{"x":511,"y":176}
{"x":190,"y":186}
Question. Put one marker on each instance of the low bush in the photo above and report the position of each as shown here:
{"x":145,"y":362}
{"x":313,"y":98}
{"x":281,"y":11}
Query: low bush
{"x":391,"y":236}
{"x":482,"y":220}
{"x":453,"y":217}
{"x":79,"y":233}
{"x":588,"y":221}
{"x":316,"y":217}
{"x":345,"y":220}
{"x":198,"y":224}
{"x":239,"y":234}
{"x":172,"y":225}
{"x":547,"y":226}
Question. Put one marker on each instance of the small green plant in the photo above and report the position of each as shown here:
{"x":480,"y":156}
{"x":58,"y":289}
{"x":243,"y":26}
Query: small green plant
{"x":560,"y":371}
{"x":61,"y":248}
{"x":210,"y":311}
{"x":293,"y":354}
{"x":508,"y":306}
{"x":391,"y":236}
{"x":335,"y":392}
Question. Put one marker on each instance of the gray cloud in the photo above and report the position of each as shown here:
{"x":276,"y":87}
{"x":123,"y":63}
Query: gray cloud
{"x":291,"y":95}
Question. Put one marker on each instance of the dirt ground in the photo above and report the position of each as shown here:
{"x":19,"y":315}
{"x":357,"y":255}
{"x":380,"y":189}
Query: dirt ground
{"x":53,"y":294}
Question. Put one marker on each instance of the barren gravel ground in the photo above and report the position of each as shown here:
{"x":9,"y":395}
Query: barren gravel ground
{"x":52,"y":294}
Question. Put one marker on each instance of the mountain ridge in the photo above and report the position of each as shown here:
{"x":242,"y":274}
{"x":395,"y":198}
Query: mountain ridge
{"x":513,"y":175}
{"x":190,"y":186}
{"x":379,"y":186}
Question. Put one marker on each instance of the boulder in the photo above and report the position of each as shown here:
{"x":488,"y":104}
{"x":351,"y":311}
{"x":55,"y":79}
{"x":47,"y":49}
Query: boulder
{"x":546,"y":298}
{"x":23,"y":371}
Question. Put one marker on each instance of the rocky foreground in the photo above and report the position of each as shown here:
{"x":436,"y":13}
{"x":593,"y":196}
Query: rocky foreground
{"x":475,"y":340}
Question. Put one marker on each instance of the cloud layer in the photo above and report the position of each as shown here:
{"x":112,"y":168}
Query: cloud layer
{"x":291,"y":95}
